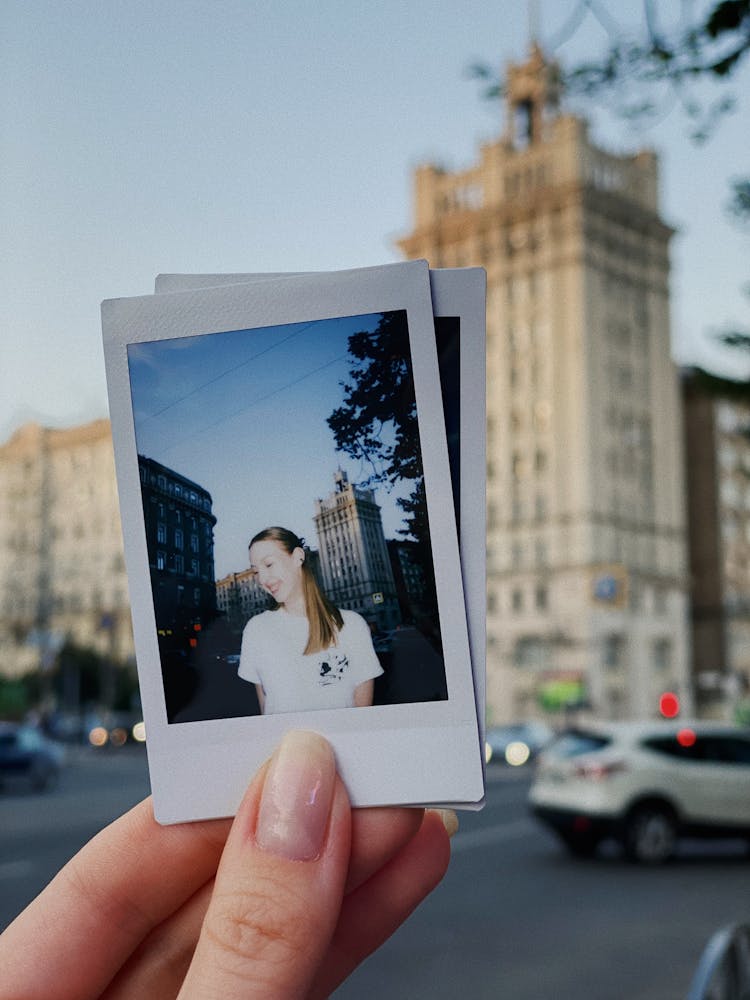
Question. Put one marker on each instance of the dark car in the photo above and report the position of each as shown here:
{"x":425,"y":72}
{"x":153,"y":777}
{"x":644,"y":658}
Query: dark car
{"x":26,"y":755}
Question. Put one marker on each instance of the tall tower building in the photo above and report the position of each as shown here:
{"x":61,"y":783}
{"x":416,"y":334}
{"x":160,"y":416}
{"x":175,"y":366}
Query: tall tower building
{"x":355,"y":569}
{"x":587,"y":557}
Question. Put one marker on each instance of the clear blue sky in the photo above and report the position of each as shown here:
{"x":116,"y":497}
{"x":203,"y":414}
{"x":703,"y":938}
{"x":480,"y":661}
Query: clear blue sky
{"x":250,"y":135}
{"x":243,"y":414}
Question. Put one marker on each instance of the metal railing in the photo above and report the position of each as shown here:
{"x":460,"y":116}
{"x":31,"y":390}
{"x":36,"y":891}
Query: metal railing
{"x":723,"y":972}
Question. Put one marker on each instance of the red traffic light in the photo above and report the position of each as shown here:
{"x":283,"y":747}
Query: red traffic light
{"x":669,"y":705}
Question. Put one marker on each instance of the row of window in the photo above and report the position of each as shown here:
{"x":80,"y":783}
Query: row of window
{"x":178,"y":564}
{"x":179,"y":538}
{"x":538,"y":652}
{"x":535,"y":596}
{"x":172,"y":488}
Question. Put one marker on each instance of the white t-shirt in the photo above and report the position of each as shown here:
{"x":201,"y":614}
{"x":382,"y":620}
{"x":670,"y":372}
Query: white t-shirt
{"x":272,"y":656}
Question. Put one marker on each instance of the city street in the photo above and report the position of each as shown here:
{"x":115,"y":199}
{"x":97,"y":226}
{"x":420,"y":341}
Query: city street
{"x":514,"y":917}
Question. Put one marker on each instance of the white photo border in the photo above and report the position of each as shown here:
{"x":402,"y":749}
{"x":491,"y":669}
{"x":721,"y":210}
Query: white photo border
{"x":462,"y":293}
{"x":424,"y":752}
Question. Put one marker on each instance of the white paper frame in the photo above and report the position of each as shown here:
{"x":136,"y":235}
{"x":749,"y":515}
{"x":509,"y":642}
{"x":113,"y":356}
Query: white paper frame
{"x":459,"y":292}
{"x":391,"y":754}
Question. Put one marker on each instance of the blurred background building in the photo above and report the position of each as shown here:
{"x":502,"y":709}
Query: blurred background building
{"x":62,"y":571}
{"x":587,"y":547}
{"x":717,"y":435}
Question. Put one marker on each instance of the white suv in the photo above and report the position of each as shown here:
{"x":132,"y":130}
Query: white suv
{"x":644,"y":784}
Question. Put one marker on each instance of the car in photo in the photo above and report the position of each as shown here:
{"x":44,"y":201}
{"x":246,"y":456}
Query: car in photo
{"x":516,"y":743}
{"x":644,"y":784}
{"x":28,"y":757}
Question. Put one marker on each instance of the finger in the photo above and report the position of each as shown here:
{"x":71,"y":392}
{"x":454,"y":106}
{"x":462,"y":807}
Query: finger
{"x":161,"y":961}
{"x":89,"y":919}
{"x":281,"y":880}
{"x":378,"y":834}
{"x":158,"y":967}
{"x":376,"y":909}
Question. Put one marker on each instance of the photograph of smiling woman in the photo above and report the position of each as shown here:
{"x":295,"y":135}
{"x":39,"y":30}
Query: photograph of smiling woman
{"x":304,"y":653}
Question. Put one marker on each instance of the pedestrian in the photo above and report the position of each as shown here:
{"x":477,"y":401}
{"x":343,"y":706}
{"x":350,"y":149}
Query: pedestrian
{"x":305,"y":653}
{"x":283,"y":902}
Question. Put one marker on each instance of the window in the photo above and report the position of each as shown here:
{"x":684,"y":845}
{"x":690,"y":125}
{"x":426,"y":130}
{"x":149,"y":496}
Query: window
{"x":178,"y":538}
{"x":614,"y":648}
{"x":161,"y":533}
{"x":662,"y":654}
{"x":161,"y":560}
{"x":660,"y":601}
{"x":541,"y":597}
{"x":517,"y":600}
{"x":577,"y":742}
{"x":529,"y":651}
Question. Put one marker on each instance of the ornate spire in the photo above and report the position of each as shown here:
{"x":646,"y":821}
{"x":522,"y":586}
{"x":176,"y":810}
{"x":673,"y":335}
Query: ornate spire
{"x":533,"y":96}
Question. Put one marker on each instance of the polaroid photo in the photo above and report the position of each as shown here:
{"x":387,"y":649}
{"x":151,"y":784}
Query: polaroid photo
{"x":304,"y":416}
{"x":459,"y":314}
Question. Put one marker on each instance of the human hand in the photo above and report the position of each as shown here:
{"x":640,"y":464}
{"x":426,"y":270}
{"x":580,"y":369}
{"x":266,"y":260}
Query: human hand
{"x":284,"y":901}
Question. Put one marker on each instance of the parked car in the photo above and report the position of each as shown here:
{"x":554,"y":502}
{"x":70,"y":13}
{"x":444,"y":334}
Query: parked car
{"x":27,"y":755}
{"x":646,"y":784}
{"x":517,"y":743}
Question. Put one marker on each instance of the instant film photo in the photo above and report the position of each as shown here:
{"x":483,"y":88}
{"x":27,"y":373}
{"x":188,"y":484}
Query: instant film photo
{"x":459,"y":313}
{"x":289,"y":524}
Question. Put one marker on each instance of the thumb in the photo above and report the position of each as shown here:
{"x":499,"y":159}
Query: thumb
{"x":281,"y":880}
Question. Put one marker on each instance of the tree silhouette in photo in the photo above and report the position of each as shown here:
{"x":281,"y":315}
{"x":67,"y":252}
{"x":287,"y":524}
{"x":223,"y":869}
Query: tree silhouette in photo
{"x":377,"y":425}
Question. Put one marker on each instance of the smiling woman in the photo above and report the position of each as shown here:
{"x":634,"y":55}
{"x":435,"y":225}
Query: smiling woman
{"x":305,"y":653}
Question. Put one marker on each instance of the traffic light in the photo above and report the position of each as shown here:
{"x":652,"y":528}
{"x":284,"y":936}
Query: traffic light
{"x":669,"y":705}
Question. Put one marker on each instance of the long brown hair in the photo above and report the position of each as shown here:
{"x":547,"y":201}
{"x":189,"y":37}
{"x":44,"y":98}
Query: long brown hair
{"x":324,"y":619}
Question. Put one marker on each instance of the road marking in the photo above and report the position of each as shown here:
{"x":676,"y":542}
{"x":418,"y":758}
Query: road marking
{"x":15,"y":869}
{"x":491,"y":835}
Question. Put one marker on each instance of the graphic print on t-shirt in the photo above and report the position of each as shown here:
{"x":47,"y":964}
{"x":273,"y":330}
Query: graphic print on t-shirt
{"x":331,"y":669}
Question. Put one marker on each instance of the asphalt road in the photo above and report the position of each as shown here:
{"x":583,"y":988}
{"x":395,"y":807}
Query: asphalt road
{"x":515,"y":918}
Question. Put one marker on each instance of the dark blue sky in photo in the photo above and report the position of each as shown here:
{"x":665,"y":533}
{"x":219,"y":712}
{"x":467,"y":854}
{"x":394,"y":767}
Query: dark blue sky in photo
{"x":243,"y":414}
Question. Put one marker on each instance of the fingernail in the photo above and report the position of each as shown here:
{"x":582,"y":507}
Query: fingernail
{"x":449,"y":819}
{"x":296,"y":798}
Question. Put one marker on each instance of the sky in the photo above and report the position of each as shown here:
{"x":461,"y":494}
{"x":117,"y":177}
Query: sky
{"x":241,"y":413}
{"x":250,"y":135}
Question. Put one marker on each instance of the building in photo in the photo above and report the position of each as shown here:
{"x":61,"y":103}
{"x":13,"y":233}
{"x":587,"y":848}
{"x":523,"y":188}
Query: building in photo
{"x":587,"y":555}
{"x":239,"y":596}
{"x":62,"y":569}
{"x":355,"y":569}
{"x":179,"y":527}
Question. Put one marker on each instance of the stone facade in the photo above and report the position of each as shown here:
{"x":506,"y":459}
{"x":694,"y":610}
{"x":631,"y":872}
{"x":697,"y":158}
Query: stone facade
{"x":587,"y":555}
{"x":62,"y":570}
{"x":718,"y":479}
